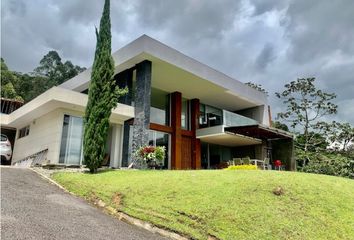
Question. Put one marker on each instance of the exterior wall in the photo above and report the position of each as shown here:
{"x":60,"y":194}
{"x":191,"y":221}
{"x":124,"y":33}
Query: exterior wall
{"x":45,"y":133}
{"x":259,"y":113}
{"x":284,"y":151}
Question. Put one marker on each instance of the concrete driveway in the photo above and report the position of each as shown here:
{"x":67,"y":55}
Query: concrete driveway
{"x":32,"y":208}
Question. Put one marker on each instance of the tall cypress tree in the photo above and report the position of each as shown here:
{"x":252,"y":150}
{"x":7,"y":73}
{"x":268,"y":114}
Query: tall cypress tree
{"x":102,"y":97}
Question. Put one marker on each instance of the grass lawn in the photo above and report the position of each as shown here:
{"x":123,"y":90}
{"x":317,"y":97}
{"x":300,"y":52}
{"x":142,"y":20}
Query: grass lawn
{"x":227,"y":204}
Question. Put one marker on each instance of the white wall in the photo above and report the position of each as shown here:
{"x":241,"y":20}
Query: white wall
{"x":45,"y":133}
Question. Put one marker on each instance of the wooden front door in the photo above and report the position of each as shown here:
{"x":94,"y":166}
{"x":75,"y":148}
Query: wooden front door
{"x":186,"y":153}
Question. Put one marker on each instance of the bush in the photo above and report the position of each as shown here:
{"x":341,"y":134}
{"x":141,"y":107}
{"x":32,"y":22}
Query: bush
{"x":330,"y":164}
{"x":242,"y":167}
{"x":149,"y":154}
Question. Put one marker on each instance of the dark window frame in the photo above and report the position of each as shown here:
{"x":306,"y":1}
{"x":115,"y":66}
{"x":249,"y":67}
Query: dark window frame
{"x":23,"y":132}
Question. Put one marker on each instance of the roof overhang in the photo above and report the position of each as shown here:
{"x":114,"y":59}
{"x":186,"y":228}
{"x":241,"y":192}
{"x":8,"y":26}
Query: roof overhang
{"x":217,"y":135}
{"x":260,"y":131}
{"x":173,"y":71}
{"x":55,"y":98}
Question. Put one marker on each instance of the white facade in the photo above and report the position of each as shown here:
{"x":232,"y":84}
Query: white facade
{"x":45,"y":114}
{"x":171,"y":71}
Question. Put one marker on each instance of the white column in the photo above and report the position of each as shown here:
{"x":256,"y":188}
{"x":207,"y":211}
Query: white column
{"x":116,"y":147}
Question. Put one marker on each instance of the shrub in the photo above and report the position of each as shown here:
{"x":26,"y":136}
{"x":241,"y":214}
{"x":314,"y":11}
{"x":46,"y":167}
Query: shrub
{"x":242,"y":167}
{"x":330,"y":164}
{"x":151,"y":155}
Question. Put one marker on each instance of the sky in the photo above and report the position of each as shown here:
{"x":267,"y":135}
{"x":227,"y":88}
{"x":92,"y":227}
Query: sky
{"x":268,"y":42}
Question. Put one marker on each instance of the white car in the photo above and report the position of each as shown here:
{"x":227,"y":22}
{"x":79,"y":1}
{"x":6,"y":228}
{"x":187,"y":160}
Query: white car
{"x":5,"y":149}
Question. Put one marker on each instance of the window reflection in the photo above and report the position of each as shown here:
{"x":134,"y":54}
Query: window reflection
{"x":159,"y":111}
{"x":71,"y":141}
{"x":209,"y":116}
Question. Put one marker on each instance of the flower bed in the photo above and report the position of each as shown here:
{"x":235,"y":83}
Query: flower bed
{"x":151,"y":155}
{"x":242,"y":167}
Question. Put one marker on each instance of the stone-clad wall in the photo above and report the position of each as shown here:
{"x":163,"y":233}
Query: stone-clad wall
{"x":142,"y":106}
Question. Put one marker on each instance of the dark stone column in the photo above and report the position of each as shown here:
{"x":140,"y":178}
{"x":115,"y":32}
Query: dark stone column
{"x":125,"y":151}
{"x":142,"y":107}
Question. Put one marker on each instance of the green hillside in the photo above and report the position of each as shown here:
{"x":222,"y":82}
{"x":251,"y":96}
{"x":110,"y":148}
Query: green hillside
{"x":227,"y":204}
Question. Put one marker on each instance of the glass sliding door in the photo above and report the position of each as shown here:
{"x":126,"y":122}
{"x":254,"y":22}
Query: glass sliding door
{"x":161,"y":139}
{"x":71,"y":141}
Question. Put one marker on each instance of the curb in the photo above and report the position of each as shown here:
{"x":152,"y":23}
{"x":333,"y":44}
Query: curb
{"x":120,"y":215}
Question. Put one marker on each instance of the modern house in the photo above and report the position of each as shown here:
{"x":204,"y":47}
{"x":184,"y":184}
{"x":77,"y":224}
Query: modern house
{"x":203,"y":117}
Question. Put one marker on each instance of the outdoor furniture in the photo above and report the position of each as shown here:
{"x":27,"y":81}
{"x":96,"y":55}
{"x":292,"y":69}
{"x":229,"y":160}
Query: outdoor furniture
{"x":266,"y":163}
{"x":246,"y":160}
{"x":256,"y":161}
{"x":277,"y":164}
{"x":237,"y":161}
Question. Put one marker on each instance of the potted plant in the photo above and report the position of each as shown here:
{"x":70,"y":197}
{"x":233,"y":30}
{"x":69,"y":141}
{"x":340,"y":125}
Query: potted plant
{"x":153,"y":156}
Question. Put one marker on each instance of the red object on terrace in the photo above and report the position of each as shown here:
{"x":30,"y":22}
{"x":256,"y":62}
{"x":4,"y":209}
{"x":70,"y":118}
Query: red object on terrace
{"x":277,"y":163}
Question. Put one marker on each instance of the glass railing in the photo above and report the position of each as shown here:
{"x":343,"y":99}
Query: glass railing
{"x":228,"y":119}
{"x":231,"y":119}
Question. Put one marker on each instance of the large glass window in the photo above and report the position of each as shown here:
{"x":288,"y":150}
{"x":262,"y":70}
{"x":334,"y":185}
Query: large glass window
{"x":185,"y":123}
{"x":209,"y":116}
{"x":156,"y":138}
{"x":159,"y":111}
{"x":160,"y":139}
{"x":71,"y":140}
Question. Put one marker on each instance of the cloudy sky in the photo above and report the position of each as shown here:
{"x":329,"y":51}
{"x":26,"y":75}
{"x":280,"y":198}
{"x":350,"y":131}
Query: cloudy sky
{"x":269,"y":42}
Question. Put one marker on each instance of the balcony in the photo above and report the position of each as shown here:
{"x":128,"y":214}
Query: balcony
{"x":225,"y":118}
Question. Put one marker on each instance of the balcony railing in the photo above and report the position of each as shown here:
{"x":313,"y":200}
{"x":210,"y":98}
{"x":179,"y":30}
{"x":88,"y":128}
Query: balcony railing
{"x":226,"y":118}
{"x":231,"y":119}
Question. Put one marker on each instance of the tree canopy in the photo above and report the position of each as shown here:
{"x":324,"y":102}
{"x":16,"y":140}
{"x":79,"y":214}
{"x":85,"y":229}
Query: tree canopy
{"x":52,"y":67}
{"x":26,"y":86}
{"x":305,"y":108}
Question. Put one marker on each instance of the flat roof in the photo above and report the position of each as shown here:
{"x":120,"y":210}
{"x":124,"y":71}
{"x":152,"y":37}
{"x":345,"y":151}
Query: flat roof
{"x":174,"y":71}
{"x":55,"y":98}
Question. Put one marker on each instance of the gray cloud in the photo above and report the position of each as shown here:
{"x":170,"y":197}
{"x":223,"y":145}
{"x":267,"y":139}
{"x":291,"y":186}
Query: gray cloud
{"x":267,"y":42}
{"x":320,"y":28}
{"x":265,"y":57}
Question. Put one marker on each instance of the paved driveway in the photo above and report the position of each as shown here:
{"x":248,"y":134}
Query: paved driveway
{"x":32,"y":208}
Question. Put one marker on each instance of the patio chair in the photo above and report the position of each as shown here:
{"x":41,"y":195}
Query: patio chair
{"x":246,"y":160}
{"x":266,"y":163}
{"x":237,"y":161}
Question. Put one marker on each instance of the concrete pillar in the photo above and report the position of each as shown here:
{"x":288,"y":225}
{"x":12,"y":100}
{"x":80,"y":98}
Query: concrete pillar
{"x":116,"y":146}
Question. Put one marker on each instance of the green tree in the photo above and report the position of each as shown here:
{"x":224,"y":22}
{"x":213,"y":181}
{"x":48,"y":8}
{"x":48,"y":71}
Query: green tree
{"x":281,"y":126}
{"x":52,"y":67}
{"x":26,"y":86}
{"x":305,"y":107}
{"x":258,"y":87}
{"x":342,"y":136}
{"x":29,"y":86}
{"x":8,"y":79}
{"x":102,"y":97}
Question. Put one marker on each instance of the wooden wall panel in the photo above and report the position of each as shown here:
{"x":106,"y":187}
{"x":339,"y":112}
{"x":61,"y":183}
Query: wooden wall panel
{"x":176,"y":136}
{"x":186,"y":161}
